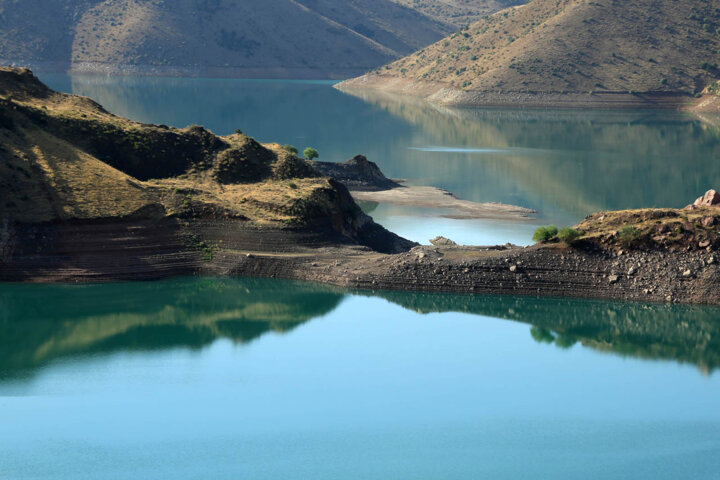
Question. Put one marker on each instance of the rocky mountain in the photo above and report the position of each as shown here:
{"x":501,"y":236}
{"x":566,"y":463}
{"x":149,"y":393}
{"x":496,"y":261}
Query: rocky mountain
{"x":579,"y":47}
{"x":255,"y":38}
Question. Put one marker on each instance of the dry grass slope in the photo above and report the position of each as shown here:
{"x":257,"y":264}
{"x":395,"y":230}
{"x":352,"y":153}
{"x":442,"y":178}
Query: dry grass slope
{"x":458,"y":12}
{"x":252,"y":38}
{"x":577,"y":46}
{"x":63,"y":157}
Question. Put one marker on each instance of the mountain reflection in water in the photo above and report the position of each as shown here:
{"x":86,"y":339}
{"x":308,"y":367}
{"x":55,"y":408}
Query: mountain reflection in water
{"x":41,"y":323}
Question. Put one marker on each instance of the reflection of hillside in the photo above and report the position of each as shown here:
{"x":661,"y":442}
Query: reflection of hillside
{"x":686,"y":334}
{"x":277,"y":111}
{"x":580,"y":161}
{"x":41,"y":323}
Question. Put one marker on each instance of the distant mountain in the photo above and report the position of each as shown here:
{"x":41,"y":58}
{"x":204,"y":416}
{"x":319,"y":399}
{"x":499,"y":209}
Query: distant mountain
{"x":586,"y":48}
{"x":458,"y":12}
{"x":256,"y":38}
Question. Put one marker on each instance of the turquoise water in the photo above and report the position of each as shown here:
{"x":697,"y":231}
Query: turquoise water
{"x":233,"y":378}
{"x":267,"y":379}
{"x":565,"y":164}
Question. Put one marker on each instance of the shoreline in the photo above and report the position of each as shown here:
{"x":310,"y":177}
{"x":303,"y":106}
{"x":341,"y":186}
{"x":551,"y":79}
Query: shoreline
{"x":444,"y":95}
{"x":437,"y":198}
{"x":367,"y":183}
{"x":357,"y":79}
{"x":128,"y":251}
{"x":229,"y":72}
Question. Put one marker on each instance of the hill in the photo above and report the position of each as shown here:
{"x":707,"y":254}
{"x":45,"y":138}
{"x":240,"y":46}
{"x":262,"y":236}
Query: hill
{"x":256,"y":38}
{"x":66,"y":160}
{"x":458,"y":12}
{"x":587,"y":50}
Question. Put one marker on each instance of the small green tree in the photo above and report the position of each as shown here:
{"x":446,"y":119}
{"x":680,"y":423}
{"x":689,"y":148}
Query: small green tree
{"x":545,"y":234}
{"x":569,"y":235}
{"x":291,"y":149}
{"x":628,"y":235}
{"x":310,"y":153}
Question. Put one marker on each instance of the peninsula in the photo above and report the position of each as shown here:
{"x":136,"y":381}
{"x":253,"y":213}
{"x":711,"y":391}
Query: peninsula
{"x":89,"y":196}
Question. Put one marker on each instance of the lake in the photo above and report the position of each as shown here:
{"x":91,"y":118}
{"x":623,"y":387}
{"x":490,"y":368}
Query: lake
{"x":200,"y":378}
{"x":267,"y":379}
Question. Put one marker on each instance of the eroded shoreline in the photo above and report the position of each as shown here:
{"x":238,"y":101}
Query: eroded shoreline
{"x":131,"y":251}
{"x":445,"y":95}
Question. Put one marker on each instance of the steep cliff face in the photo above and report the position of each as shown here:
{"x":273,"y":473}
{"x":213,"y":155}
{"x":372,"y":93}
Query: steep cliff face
{"x":66,"y":159}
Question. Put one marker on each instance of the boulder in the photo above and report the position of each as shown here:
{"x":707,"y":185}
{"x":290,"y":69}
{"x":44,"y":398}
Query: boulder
{"x":442,"y":242}
{"x":708,"y":221}
{"x":710,"y":199}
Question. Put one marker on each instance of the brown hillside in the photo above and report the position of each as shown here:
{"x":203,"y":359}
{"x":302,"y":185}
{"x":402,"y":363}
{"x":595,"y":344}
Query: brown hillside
{"x":292,"y":38}
{"x":571,"y":46}
{"x":458,"y":12}
{"x":64,"y":158}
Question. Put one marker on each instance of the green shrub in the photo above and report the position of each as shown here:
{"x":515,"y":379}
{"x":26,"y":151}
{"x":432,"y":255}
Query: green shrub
{"x":310,"y":153}
{"x":628,"y":235}
{"x":291,"y":149}
{"x":545,"y":234}
{"x":541,"y":335}
{"x":569,"y":235}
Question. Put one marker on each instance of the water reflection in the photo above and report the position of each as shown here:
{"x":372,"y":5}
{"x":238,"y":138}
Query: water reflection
{"x":683,"y":333}
{"x":562,"y":162}
{"x":39,"y":324}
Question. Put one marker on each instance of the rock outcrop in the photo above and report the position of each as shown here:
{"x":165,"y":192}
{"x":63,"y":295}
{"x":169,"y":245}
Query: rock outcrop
{"x":358,"y":173}
{"x":710,"y":199}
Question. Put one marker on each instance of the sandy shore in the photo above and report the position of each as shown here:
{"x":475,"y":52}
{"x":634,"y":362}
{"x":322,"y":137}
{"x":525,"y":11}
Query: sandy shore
{"x":432,"y":197}
{"x":442,"y":94}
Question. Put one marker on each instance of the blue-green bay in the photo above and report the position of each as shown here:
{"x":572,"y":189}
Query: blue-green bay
{"x":248,"y":378}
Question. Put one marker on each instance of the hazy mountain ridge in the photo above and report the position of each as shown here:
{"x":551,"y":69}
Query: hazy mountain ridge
{"x":291,"y":38}
{"x":573,"y":46}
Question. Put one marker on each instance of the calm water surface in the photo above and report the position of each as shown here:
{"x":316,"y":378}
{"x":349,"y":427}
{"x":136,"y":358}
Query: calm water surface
{"x":266,"y":379}
{"x":233,"y":378}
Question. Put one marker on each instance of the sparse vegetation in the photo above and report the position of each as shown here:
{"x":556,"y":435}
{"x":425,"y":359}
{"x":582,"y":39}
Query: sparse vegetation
{"x":91,"y":33}
{"x":96,"y":157}
{"x":515,"y":51}
{"x":310,"y":153}
{"x":290,"y":149}
{"x":628,"y":235}
{"x":569,"y":235}
{"x":545,"y":234}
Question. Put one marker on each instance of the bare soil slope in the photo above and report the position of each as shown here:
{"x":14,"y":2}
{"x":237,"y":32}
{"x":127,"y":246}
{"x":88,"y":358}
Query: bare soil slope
{"x":458,"y":12}
{"x":268,"y":38}
{"x":578,"y":47}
